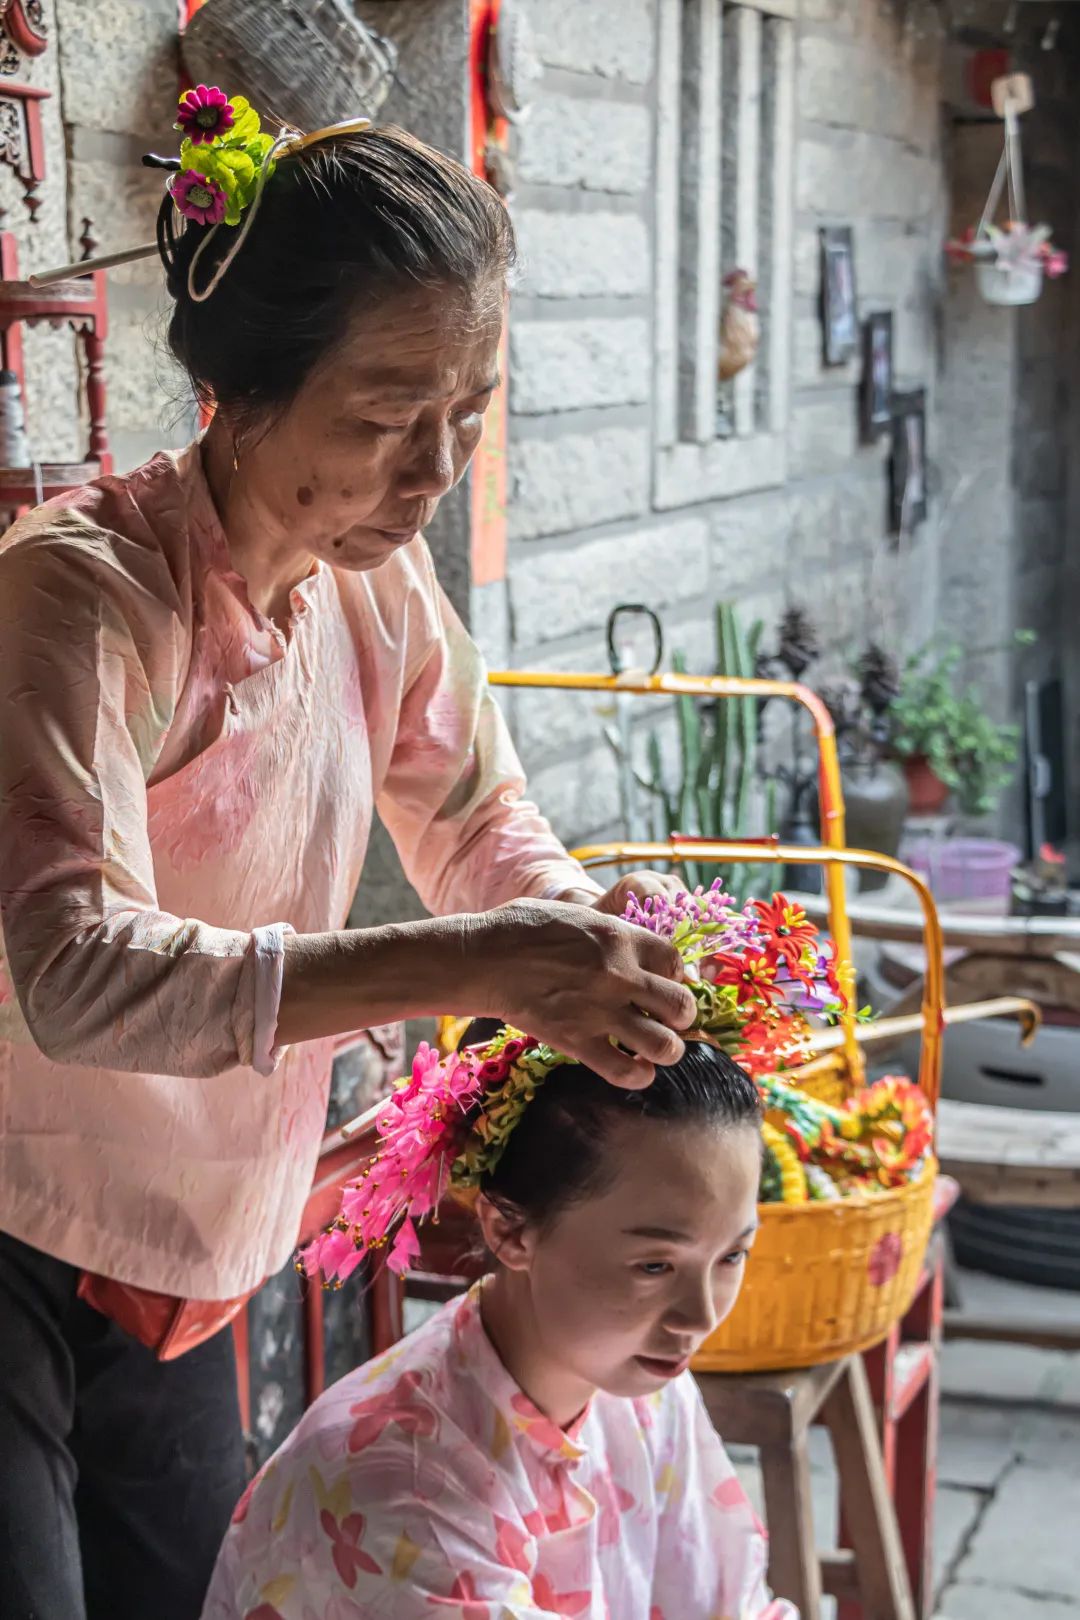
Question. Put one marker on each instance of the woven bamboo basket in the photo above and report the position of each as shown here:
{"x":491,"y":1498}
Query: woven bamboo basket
{"x":306,"y":65}
{"x":824,"y":1280}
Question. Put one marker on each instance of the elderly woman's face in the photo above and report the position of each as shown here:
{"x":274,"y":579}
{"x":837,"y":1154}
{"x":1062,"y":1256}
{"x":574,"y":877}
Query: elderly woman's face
{"x":384,"y":427}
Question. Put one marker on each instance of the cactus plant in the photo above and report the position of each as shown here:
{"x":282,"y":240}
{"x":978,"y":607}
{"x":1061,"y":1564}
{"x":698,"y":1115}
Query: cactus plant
{"x":717,"y":740}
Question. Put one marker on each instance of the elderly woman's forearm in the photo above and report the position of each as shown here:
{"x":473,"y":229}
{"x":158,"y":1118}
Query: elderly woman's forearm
{"x":359,"y":977}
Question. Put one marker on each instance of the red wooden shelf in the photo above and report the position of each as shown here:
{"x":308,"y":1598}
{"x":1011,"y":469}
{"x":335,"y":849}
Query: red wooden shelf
{"x":82,"y":305}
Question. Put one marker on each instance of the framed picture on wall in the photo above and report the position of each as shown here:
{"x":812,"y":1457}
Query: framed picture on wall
{"x":839,"y":315}
{"x":907,"y":502}
{"x":877,"y":380}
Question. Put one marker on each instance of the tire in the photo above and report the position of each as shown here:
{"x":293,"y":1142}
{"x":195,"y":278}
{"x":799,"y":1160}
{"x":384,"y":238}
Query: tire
{"x":1040,"y":1246}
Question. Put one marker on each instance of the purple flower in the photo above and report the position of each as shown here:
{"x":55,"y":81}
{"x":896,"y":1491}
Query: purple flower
{"x":204,"y":114}
{"x":815,"y":997}
{"x":198,"y":197}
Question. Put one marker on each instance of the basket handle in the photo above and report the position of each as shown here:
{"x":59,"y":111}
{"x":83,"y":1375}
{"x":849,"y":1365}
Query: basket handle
{"x":830,"y":793}
{"x":834,"y":861}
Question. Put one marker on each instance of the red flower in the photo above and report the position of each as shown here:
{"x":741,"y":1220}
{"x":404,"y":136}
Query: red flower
{"x":729,"y":1495}
{"x":374,"y":1415}
{"x":511,"y":1543}
{"x":786,"y":927}
{"x":565,"y":1603}
{"x":349,"y":1556}
{"x":768,"y":1046}
{"x":751,"y":976}
{"x":885,"y":1259}
{"x":463,"y":1591}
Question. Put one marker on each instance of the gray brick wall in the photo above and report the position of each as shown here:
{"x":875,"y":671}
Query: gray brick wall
{"x":583,"y":519}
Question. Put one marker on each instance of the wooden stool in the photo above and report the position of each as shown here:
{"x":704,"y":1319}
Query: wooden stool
{"x":774,"y":1412}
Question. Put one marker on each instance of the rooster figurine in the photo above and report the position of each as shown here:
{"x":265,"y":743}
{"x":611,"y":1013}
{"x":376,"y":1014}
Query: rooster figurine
{"x":740,"y":329}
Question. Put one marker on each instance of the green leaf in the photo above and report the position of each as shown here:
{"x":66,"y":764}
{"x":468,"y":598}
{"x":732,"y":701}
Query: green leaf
{"x":246,"y":122}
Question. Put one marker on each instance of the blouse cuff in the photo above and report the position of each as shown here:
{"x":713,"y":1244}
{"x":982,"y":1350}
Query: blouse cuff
{"x":268,"y":949}
{"x":577,"y":879}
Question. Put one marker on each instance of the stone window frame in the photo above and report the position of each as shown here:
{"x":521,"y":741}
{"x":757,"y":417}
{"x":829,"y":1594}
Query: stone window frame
{"x":725,"y":152}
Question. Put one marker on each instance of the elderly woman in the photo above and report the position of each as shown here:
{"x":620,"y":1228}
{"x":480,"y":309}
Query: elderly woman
{"x":212,"y":671}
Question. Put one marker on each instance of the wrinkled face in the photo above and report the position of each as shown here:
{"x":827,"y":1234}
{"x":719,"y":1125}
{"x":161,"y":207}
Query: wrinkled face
{"x":625,"y":1286}
{"x":382,"y":428}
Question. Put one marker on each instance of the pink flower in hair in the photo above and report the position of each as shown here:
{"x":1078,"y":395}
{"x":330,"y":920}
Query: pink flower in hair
{"x":198,"y":197}
{"x":419,"y":1137}
{"x":204,"y":114}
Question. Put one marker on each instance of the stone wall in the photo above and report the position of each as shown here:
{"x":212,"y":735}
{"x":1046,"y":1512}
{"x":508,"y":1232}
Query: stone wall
{"x":1009,"y":395}
{"x":584,"y":529}
{"x":112,"y":71}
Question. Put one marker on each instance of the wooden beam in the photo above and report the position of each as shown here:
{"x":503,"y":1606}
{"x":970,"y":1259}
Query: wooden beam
{"x":958,"y":1324}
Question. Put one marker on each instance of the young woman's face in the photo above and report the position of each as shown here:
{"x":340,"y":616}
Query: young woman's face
{"x":383,"y":428}
{"x":625,"y":1286}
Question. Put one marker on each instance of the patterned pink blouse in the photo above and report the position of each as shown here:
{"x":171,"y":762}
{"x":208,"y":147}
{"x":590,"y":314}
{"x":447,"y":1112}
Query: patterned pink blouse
{"x":180,"y":783}
{"x":426,"y":1484}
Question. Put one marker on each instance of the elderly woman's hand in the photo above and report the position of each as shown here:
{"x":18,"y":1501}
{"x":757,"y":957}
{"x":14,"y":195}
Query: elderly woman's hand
{"x":641,"y":884}
{"x":613,"y":901}
{"x":580,"y":981}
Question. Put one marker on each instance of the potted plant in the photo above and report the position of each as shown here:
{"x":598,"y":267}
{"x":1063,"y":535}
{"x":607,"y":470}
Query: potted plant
{"x":875,"y":786}
{"x":1010,"y":261}
{"x":947,"y":743}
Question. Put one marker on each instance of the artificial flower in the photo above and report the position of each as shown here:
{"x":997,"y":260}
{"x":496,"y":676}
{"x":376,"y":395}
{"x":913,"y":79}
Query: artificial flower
{"x":198,"y":197}
{"x":754,"y":973}
{"x":205,"y":113}
{"x":751,"y":976}
{"x":786,"y":927}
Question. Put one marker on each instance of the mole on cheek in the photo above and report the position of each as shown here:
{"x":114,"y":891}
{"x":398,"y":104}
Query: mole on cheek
{"x":305,"y":495}
{"x":346,"y":494}
{"x":338,"y":544}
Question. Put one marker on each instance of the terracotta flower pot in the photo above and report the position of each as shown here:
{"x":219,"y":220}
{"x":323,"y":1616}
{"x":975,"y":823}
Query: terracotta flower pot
{"x":927,"y":791}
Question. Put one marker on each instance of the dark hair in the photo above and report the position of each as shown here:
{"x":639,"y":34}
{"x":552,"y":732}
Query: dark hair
{"x":345,"y":221}
{"x":555,"y":1154}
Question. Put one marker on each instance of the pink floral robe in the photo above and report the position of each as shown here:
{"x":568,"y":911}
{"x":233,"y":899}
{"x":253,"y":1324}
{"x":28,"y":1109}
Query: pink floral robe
{"x":426,"y":1485}
{"x":182,"y":782}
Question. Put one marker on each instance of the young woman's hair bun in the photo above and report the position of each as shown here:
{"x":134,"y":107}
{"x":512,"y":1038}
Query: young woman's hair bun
{"x":556,"y":1153}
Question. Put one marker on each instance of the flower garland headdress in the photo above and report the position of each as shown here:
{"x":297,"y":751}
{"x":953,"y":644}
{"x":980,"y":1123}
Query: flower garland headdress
{"x":754,"y":974}
{"x":226,"y":159}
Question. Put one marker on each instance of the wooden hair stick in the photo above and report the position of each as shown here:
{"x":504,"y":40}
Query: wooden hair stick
{"x":86,"y":267}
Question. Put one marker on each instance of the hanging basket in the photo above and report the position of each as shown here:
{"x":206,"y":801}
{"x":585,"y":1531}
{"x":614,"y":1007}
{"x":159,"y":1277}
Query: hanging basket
{"x":1012,"y":263}
{"x":1009,"y":284}
{"x":306,"y":65}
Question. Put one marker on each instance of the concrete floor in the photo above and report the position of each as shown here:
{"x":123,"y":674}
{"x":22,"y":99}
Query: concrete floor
{"x":1007,"y":1532}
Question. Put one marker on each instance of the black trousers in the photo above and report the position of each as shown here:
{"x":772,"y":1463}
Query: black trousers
{"x":118,"y":1472}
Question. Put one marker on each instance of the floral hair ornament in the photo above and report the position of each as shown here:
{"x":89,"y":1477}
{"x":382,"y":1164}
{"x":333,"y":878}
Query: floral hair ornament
{"x":226,"y":159}
{"x":755,"y":973}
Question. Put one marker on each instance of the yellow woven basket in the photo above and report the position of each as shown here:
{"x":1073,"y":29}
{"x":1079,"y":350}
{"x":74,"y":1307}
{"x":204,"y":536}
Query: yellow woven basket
{"x":824,"y":1280}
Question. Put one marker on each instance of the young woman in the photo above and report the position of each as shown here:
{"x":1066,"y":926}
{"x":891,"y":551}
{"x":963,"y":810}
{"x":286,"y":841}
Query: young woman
{"x":538,"y":1447}
{"x":213,"y":670}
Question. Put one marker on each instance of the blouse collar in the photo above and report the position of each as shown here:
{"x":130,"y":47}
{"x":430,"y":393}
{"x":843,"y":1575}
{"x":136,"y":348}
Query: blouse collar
{"x":520,"y":1418}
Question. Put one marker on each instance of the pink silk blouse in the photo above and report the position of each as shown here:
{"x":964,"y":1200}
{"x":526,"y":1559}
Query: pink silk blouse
{"x":181,"y":783}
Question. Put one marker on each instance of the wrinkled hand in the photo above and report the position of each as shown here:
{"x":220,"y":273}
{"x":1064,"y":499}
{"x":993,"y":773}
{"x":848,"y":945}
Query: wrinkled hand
{"x":573,"y":976}
{"x":642,"y":884}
